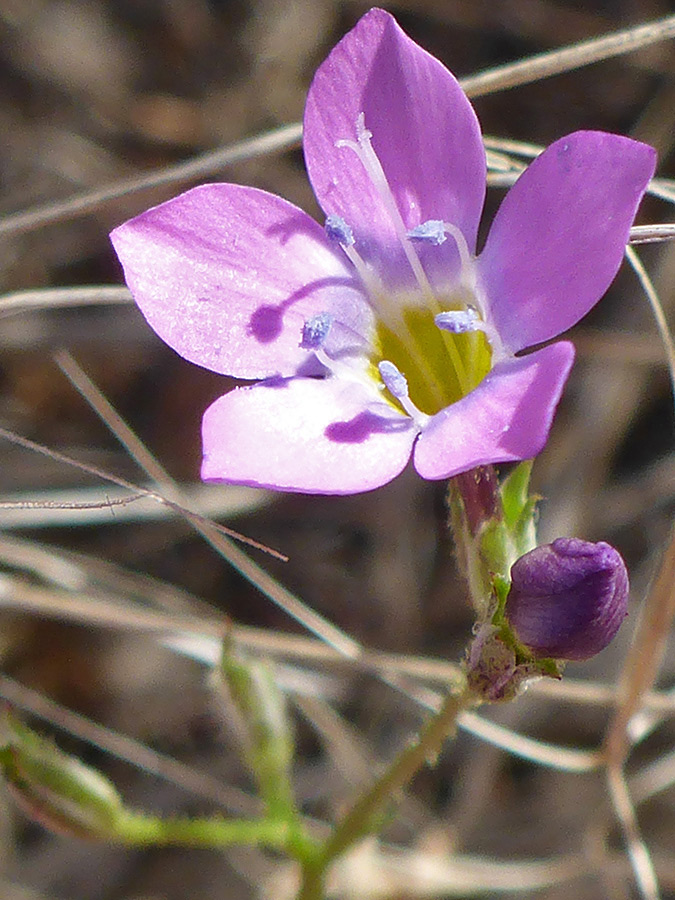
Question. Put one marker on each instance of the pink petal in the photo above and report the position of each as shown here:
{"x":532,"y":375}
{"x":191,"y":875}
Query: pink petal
{"x":558,"y":238}
{"x":227,"y":275}
{"x":318,"y":436}
{"x":507,"y":417}
{"x":425,"y":134}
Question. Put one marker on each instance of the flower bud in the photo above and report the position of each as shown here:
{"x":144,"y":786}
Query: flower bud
{"x":567,"y":599}
{"x":56,"y":789}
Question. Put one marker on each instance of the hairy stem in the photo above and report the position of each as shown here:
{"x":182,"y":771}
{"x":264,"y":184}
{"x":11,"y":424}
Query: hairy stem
{"x":367,"y":813}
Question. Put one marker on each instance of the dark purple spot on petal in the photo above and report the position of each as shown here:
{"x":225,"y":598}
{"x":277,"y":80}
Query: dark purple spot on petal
{"x":275,"y":381}
{"x":362,"y":426}
{"x":265,"y":323}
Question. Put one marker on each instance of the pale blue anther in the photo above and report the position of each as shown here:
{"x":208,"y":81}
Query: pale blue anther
{"x":338,"y":230}
{"x":393,"y":380}
{"x":458,"y":321}
{"x":432,"y":232}
{"x":315,"y":331}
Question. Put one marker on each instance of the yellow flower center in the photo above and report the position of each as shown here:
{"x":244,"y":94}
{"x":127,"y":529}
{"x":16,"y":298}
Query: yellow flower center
{"x":440,"y":367}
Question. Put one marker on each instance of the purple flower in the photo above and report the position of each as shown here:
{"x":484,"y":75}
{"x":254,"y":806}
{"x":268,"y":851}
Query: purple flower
{"x":568,"y":598}
{"x":383,"y":334}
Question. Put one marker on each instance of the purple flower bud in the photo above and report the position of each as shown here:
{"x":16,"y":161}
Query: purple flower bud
{"x":568,"y":598}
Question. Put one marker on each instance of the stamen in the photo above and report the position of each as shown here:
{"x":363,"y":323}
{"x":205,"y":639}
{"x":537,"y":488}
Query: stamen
{"x":315,"y":331}
{"x":397,"y":385}
{"x":431,"y":231}
{"x":338,"y":230}
{"x":369,"y":278}
{"x":463,"y":321}
{"x":351,"y":368}
{"x":434,"y":232}
{"x":459,"y":321}
{"x":466,"y":260}
{"x":394,"y":381}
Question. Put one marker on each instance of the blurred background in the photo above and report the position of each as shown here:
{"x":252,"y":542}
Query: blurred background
{"x":94,"y":92}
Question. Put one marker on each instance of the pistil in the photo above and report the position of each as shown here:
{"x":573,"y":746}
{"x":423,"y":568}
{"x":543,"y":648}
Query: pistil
{"x":363,"y":148}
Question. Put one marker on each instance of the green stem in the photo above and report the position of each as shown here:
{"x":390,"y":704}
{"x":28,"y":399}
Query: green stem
{"x":363,"y":816}
{"x":313,"y":881}
{"x":136,"y":829}
{"x":360,"y":818}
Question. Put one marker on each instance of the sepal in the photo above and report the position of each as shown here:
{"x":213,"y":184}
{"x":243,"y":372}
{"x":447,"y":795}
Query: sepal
{"x":497,"y":664}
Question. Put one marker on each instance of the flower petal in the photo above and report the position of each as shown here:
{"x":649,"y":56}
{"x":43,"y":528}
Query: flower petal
{"x":558,"y":238}
{"x":227,"y":276}
{"x":318,"y":436}
{"x":507,"y":417}
{"x":425,"y":134}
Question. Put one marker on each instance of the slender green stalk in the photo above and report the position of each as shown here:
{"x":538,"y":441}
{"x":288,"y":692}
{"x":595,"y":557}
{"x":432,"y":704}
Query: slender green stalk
{"x":313,"y":886}
{"x":361,"y":817}
{"x":369,"y":809}
{"x":140,"y":830}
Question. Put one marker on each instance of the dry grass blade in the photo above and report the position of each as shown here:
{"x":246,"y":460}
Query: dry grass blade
{"x":645,"y":875}
{"x":383,"y":872}
{"x":105,"y":410}
{"x":650,"y":234}
{"x":557,"y":61}
{"x":644,"y":658}
{"x":89,"y":506}
{"x":653,"y":779}
{"x":663,"y":188}
{"x":346,"y":749}
{"x":105,"y":503}
{"x":592,"y":693}
{"x":53,"y":298}
{"x":106,"y":612}
{"x":564,"y":759}
{"x":201,"y":167}
{"x":508,"y":145}
{"x":191,"y":516}
{"x":657,"y":311}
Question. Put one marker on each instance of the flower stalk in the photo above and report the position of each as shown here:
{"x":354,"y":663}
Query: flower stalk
{"x":368,"y":813}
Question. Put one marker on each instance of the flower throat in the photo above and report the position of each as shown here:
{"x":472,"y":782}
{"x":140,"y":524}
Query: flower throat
{"x":440,"y":363}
